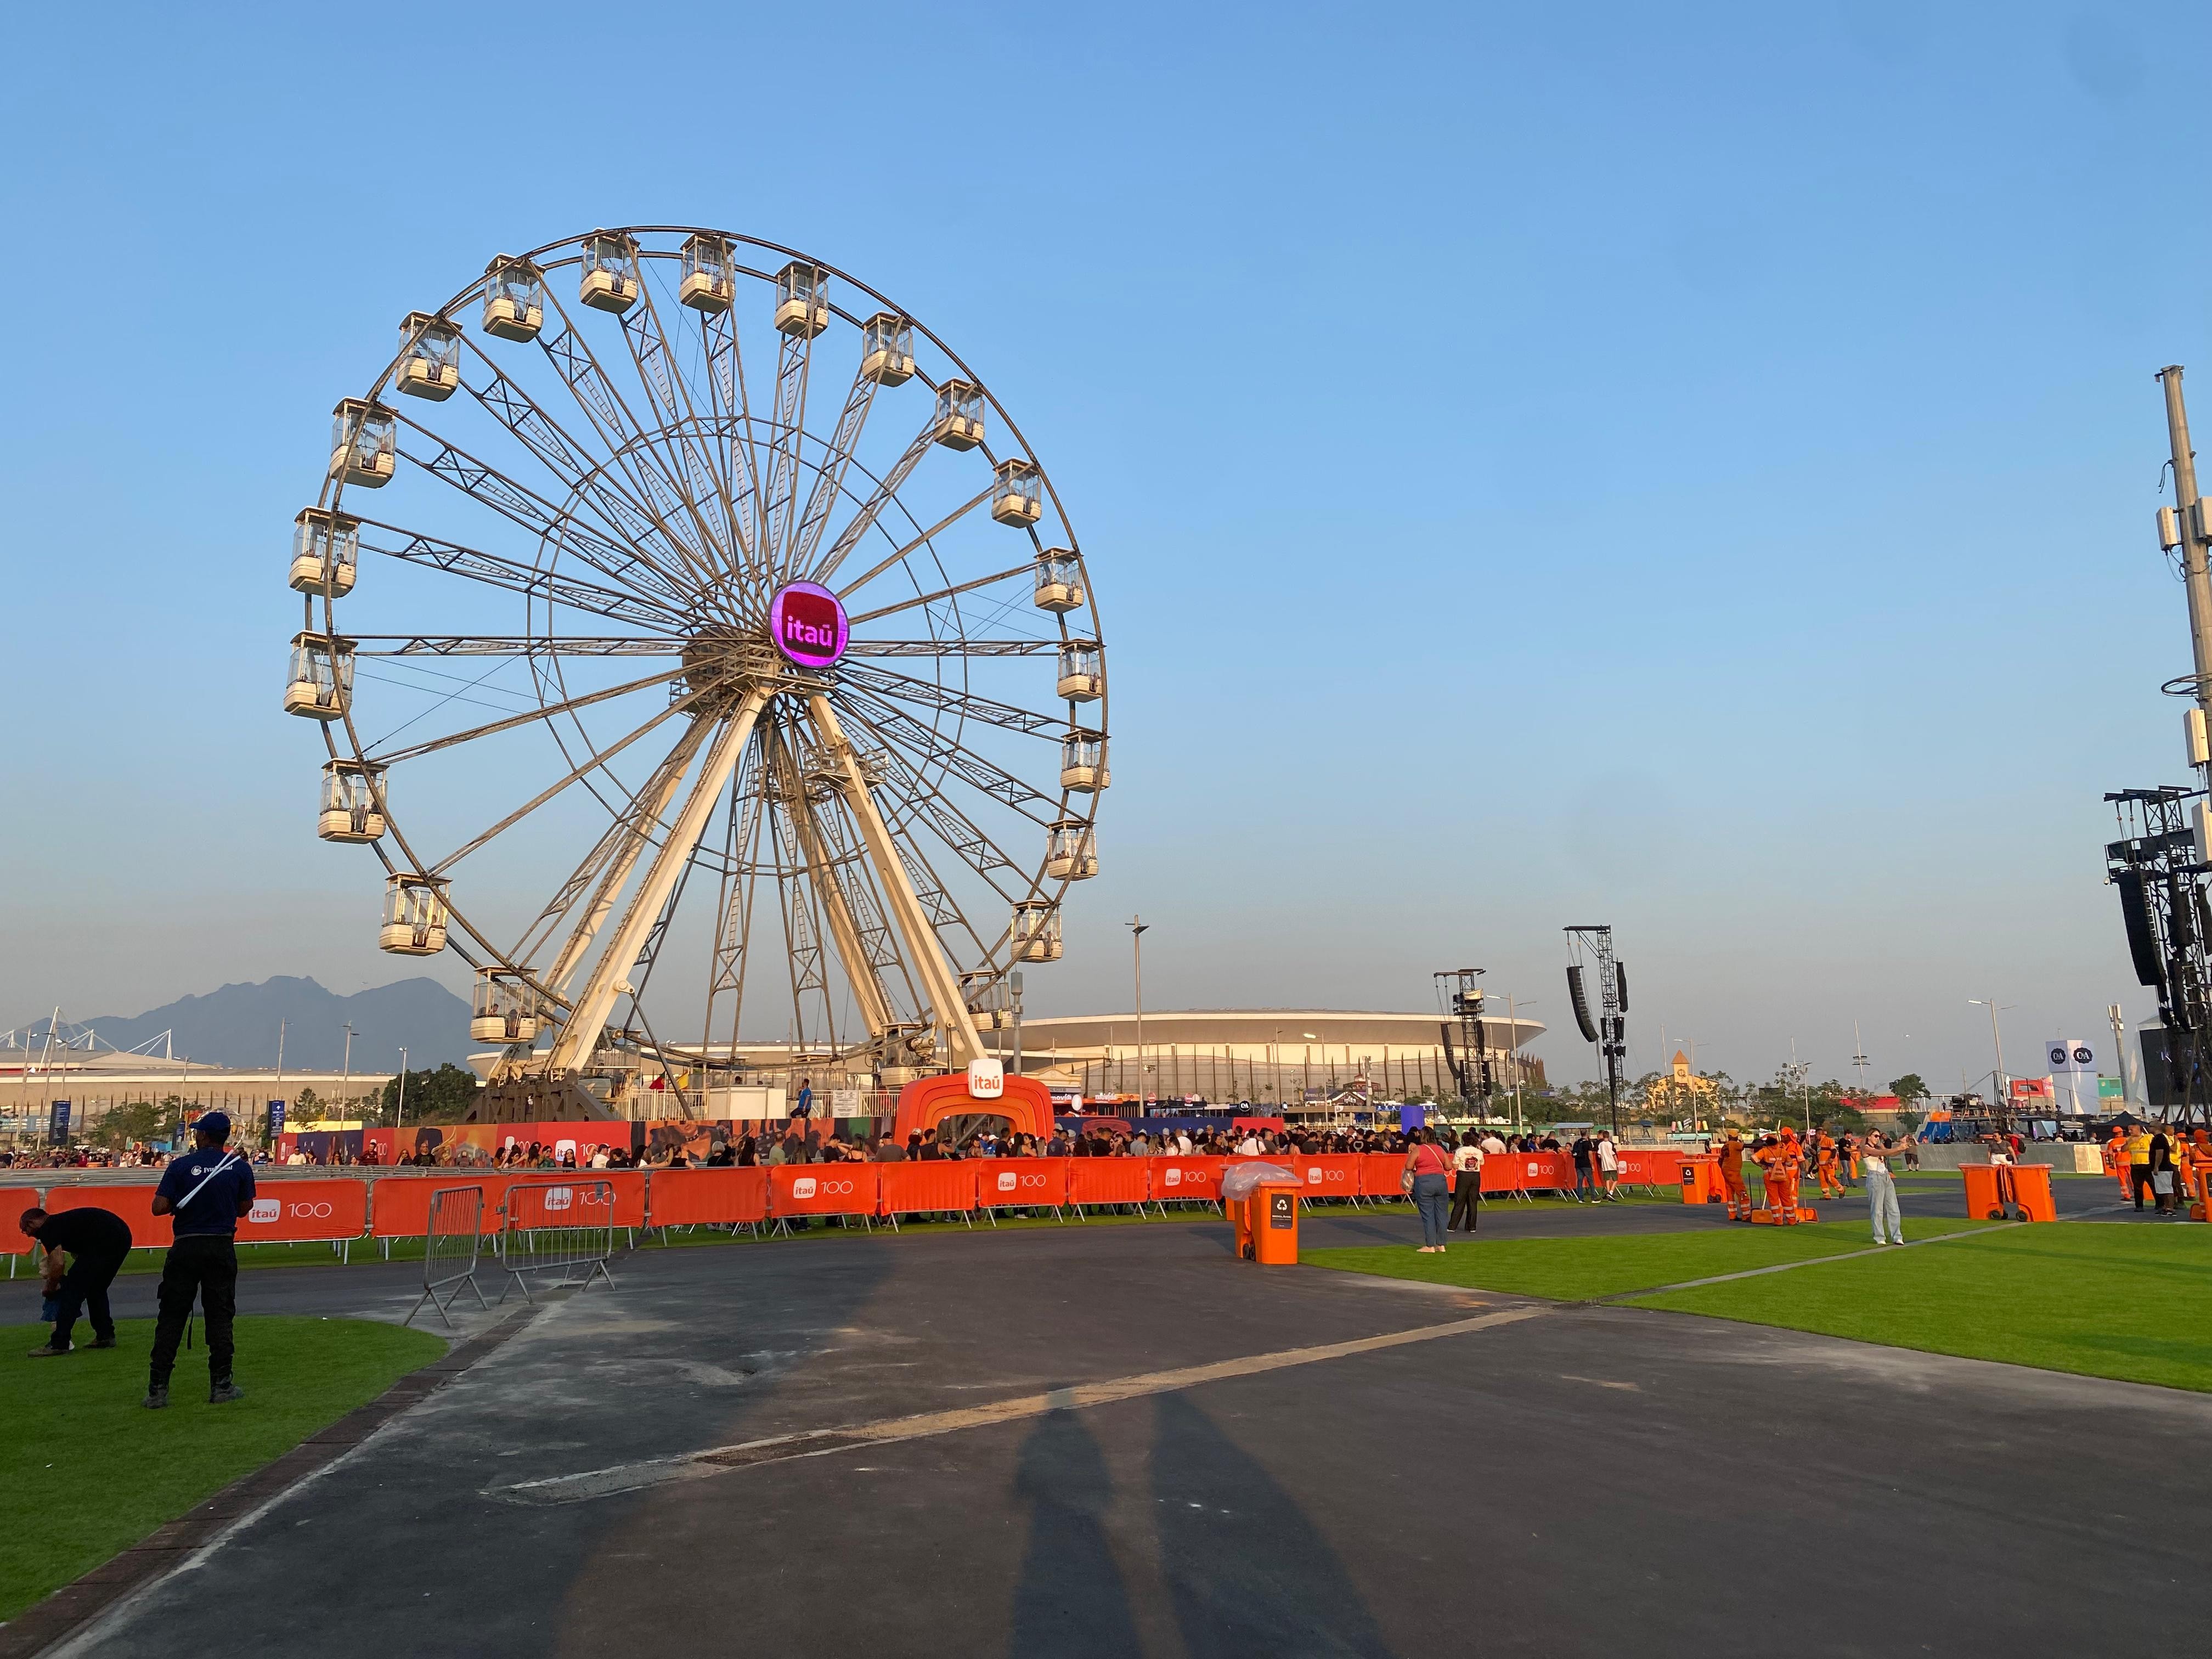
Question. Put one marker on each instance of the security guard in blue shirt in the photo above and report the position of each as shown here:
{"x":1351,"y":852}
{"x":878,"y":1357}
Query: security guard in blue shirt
{"x":207,"y":1189}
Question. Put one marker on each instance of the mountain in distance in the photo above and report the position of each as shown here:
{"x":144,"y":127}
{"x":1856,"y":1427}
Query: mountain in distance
{"x":236,"y":1026}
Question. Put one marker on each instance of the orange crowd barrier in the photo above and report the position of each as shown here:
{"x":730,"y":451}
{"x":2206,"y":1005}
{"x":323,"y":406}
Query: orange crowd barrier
{"x":1327,"y":1175}
{"x":134,"y":1204}
{"x":400,"y":1206}
{"x":14,"y":1241}
{"x":1529,"y":1172}
{"x":302,"y":1211}
{"x":1186,"y":1180}
{"x":822,"y":1189}
{"x":1020,"y":1183}
{"x":707,"y":1197}
{"x":915,"y":1188}
{"x":1109,"y":1181}
{"x":1379,"y":1174}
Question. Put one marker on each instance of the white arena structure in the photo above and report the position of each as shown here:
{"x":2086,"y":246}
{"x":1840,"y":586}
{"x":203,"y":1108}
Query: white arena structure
{"x":1262,"y":1054}
{"x":95,"y":1083}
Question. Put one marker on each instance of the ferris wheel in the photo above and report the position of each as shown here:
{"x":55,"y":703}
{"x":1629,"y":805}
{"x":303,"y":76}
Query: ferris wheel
{"x":712,"y":710}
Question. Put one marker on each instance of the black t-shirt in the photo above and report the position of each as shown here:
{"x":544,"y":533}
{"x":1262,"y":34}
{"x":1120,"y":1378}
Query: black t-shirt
{"x":87,"y":1232}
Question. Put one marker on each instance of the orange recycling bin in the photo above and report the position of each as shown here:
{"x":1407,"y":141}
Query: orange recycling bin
{"x":1240,"y":1223}
{"x":1271,"y":1222}
{"x":1701,"y":1182}
{"x":2030,"y":1191}
{"x":1984,"y":1191}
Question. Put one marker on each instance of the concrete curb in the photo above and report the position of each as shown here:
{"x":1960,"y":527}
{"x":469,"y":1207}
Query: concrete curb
{"x":45,"y":1622}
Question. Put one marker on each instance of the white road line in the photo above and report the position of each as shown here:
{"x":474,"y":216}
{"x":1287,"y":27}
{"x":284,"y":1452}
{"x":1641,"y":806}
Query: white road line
{"x":820,"y":1442}
{"x":1809,"y":1262}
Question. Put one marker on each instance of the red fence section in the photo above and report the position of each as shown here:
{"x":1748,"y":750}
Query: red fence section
{"x":134,"y":1204}
{"x":693,"y":1198}
{"x":1021,"y":1183}
{"x":1185,"y":1180}
{"x":938,"y":1184}
{"x":822,"y":1189}
{"x":13,"y":1201}
{"x":400,"y":1206}
{"x":1109,"y":1180}
{"x":300,"y":1211}
{"x":1328,"y":1175}
{"x":1379,"y":1173}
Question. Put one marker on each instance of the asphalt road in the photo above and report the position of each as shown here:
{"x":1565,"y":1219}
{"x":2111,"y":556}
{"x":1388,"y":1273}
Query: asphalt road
{"x":1557,"y":1481}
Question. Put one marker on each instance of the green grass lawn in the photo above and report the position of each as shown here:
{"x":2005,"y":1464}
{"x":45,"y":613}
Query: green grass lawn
{"x":86,"y":1472}
{"x":2128,"y":1302}
{"x":1575,"y":1269}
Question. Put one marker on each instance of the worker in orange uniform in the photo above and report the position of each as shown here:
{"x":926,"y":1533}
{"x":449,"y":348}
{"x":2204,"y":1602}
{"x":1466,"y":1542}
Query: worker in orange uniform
{"x":2115,"y":1152}
{"x":1825,"y":1165}
{"x":1780,"y":1159}
{"x":1731,"y":1164}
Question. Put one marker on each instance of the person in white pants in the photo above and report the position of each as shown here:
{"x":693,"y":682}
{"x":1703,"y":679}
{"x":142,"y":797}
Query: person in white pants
{"x":1881,"y":1190}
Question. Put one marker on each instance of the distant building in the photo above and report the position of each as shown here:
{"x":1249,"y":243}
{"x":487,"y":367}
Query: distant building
{"x":95,"y":1083}
{"x":1264,"y":1054}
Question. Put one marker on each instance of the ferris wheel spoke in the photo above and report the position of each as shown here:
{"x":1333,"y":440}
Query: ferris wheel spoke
{"x":624,"y":515}
{"x":543,"y":712}
{"x":937,"y":904}
{"x":829,"y":482}
{"x":670,"y":395}
{"x":599,"y":759}
{"x":922,"y":541}
{"x":516,"y":645}
{"x":904,"y":688}
{"x":787,"y":436}
{"x":933,"y":748}
{"x":952,"y":648}
{"x":967,"y":839}
{"x":885,"y":492}
{"x":414,"y":547}
{"x":725,"y":380}
{"x":616,"y":560}
{"x":628,"y":442}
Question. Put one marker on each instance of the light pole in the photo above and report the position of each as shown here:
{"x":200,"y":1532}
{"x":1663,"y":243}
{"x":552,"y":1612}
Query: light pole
{"x":345,"y":1087}
{"x":1136,"y":925}
{"x":399,"y":1113}
{"x":1997,"y":1039}
{"x":1513,"y":1050}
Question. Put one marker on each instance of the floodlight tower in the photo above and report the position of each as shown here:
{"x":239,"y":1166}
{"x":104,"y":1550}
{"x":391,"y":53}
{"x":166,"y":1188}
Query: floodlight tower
{"x":1471,"y":1071}
{"x":1610,"y":1030}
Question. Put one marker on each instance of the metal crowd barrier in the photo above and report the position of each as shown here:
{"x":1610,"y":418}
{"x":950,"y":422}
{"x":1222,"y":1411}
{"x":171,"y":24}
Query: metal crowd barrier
{"x":563,"y":1227}
{"x":453,"y":1242}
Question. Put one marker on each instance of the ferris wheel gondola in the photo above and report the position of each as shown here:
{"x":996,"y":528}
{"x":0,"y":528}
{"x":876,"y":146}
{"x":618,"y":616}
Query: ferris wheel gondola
{"x":676,"y":696}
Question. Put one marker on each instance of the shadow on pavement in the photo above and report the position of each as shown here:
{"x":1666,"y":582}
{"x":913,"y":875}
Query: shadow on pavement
{"x":1246,"y":1572}
{"x":1071,"y":1599}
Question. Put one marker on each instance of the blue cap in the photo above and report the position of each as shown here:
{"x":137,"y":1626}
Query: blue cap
{"x":213,"y":1123}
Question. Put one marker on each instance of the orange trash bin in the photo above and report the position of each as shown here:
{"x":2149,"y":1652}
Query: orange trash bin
{"x":2030,"y":1191}
{"x":1984,"y":1191}
{"x":1272,"y":1220}
{"x":1701,"y":1182}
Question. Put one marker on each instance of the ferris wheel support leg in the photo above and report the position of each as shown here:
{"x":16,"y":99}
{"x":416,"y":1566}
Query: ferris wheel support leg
{"x":942,"y":986}
{"x":579,"y":1036}
{"x":844,"y":932}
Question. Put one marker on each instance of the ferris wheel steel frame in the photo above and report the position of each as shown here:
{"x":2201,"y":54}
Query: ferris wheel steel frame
{"x":674,"y":507}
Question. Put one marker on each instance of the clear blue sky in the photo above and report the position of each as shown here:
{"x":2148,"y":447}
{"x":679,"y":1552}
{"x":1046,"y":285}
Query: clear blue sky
{"x":1690,"y":467}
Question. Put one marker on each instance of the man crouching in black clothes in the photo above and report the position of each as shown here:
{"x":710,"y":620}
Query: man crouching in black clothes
{"x":98,"y":1243}
{"x":207,"y":1189}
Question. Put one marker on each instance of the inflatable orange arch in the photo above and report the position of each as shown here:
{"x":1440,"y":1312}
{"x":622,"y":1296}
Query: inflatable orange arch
{"x":928,"y":1100}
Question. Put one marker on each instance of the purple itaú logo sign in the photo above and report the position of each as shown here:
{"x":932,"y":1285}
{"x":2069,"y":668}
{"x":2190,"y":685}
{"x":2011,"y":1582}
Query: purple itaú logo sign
{"x":808,"y":625}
